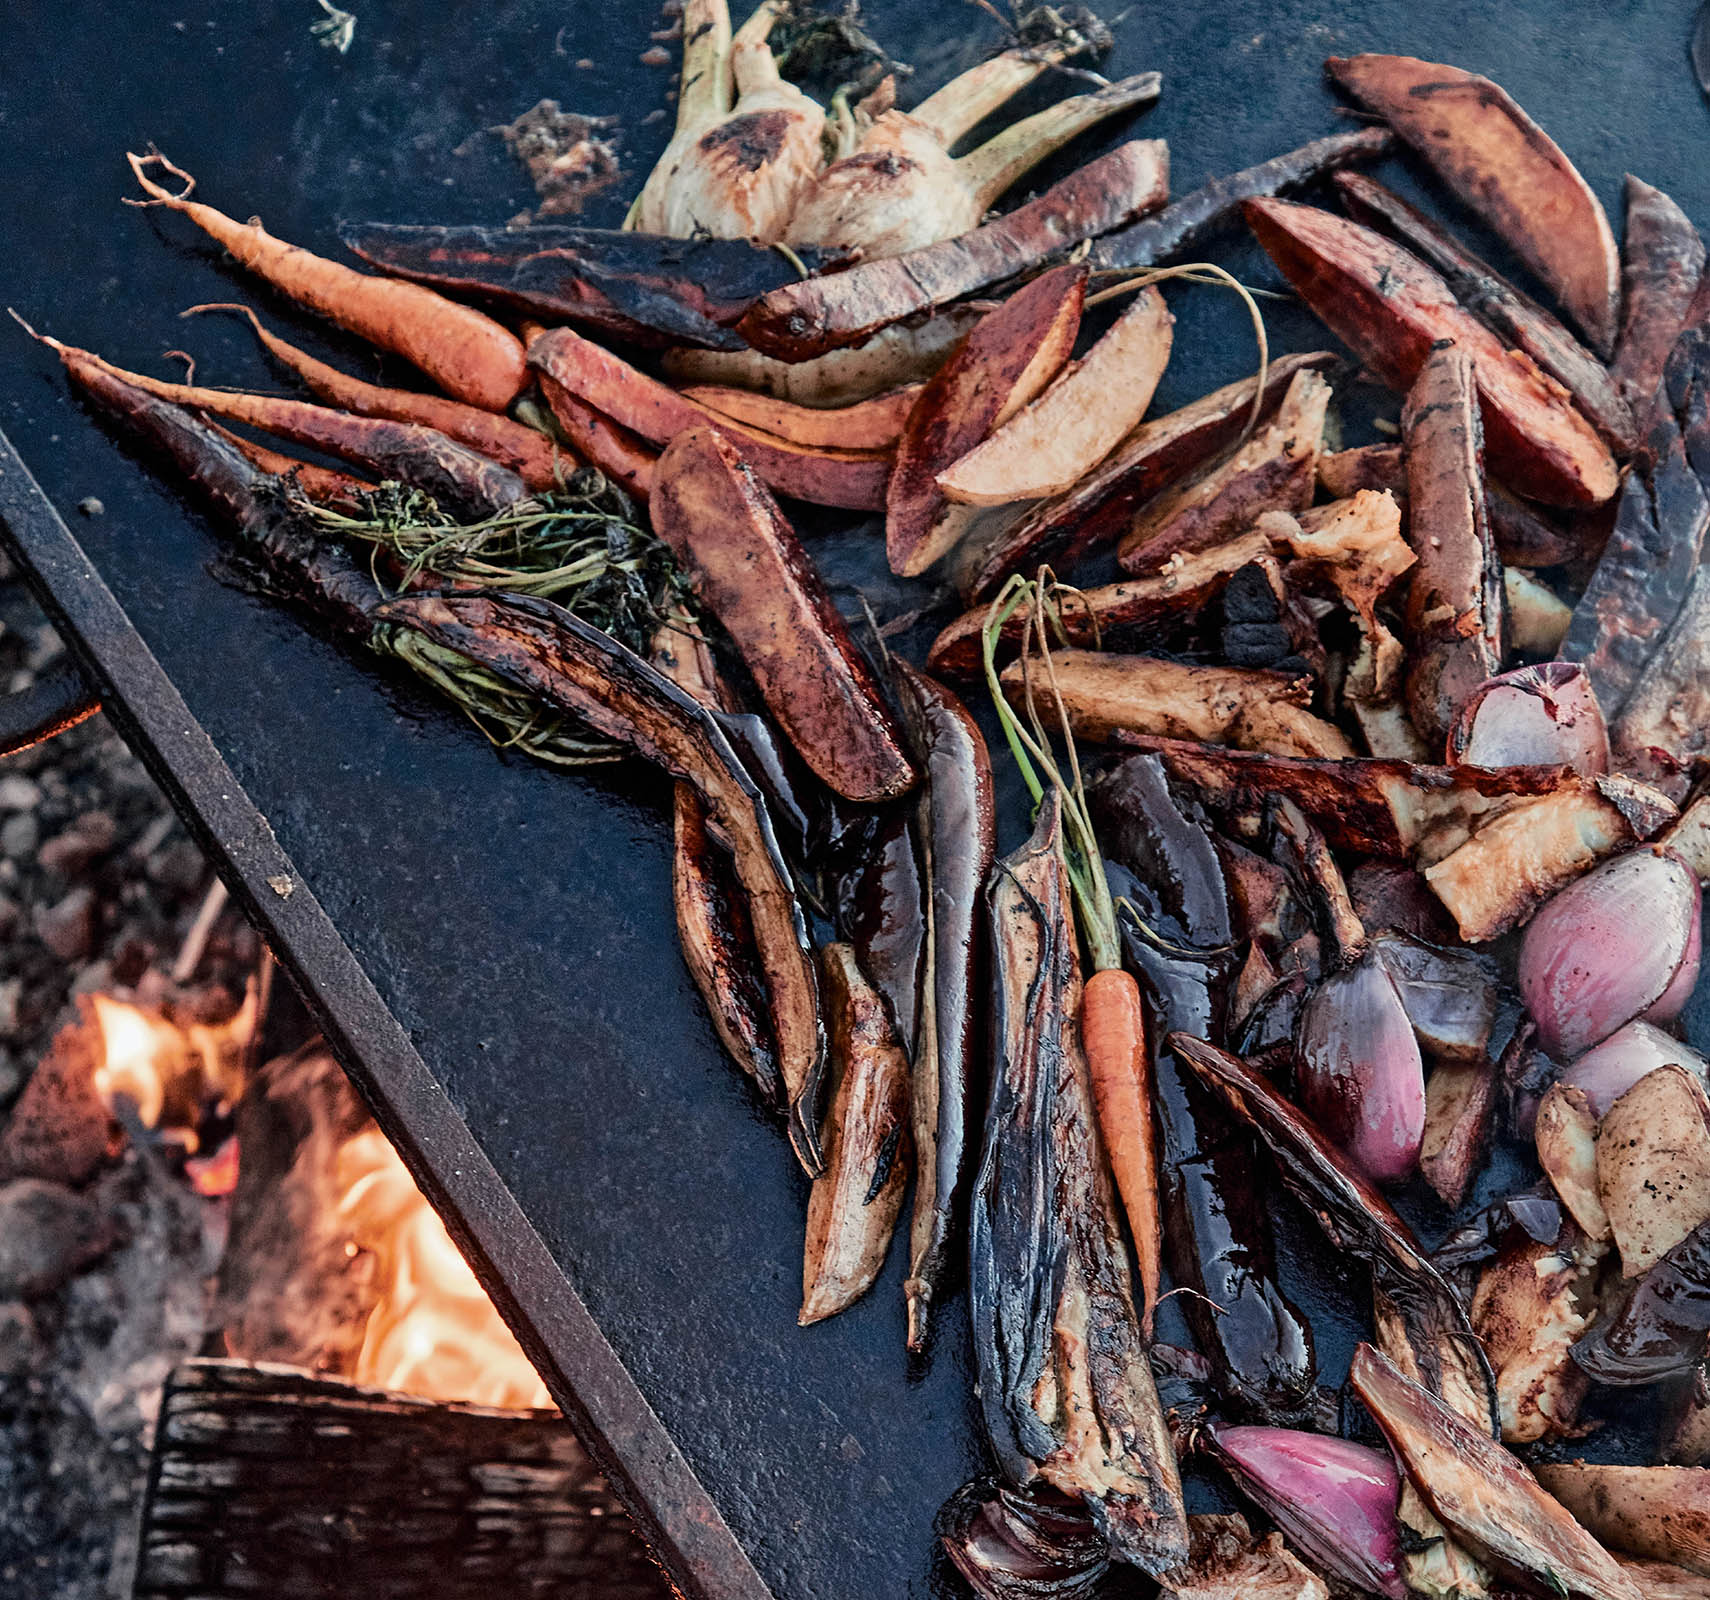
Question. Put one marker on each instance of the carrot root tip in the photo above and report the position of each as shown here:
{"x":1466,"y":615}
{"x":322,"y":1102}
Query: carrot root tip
{"x":159,"y":194}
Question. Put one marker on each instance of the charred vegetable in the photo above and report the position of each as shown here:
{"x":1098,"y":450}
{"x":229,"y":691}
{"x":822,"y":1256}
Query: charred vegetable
{"x":1659,"y":1512}
{"x":1023,"y":1544}
{"x":1661,"y":266}
{"x":1048,"y":1270}
{"x":1663,"y":1327}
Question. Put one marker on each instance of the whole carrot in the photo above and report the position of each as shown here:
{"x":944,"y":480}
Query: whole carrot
{"x":627,"y":460}
{"x":422,"y":458}
{"x":323,"y":485}
{"x":464,"y":351}
{"x":529,"y":454}
{"x":1112,"y":1024}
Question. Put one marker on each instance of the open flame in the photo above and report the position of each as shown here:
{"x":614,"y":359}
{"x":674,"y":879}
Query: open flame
{"x":432,"y":1330}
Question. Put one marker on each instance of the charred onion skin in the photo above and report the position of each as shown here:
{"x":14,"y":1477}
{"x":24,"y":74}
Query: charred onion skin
{"x":751,"y":570}
{"x":642,"y":287}
{"x":956,"y":825}
{"x":1217,"y":1231}
{"x":1052,"y":1301}
{"x":806,"y":319}
{"x":542,"y":648}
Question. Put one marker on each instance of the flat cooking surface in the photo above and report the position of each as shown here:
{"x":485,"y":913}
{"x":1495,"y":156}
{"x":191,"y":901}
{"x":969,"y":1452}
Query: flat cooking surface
{"x":518,"y":921}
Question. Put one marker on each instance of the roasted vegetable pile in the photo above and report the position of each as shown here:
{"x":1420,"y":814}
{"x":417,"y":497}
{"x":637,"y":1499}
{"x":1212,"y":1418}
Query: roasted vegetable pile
{"x":1366,"y":834}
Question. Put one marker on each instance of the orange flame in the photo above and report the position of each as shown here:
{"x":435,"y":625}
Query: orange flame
{"x":434,"y":1332}
{"x":148,"y":1060}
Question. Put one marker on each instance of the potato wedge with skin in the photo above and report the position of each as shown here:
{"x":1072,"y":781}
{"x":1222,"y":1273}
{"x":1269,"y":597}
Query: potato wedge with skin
{"x":1653,"y":1166}
{"x":1459,"y":1102}
{"x":1661,"y":266}
{"x":1174,"y":597}
{"x":1282,"y":728}
{"x":1503,"y":165}
{"x":854,"y":1204}
{"x":1002,"y":365}
{"x":1454,"y":598}
{"x":1537,"y":618}
{"x":1659,"y":1512}
{"x":1530,"y":1305}
{"x":850,"y":478}
{"x":1092,"y":405}
{"x":1566,"y":1135}
{"x":1150,"y":694}
{"x":1392,"y":310}
{"x":746,"y":563}
{"x":1689,"y":837}
{"x":872,"y":424}
{"x":1101,"y":507}
{"x":1275,"y":470}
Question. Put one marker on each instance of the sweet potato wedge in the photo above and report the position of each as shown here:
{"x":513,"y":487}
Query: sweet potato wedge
{"x":1503,"y":165}
{"x":1149,"y":694}
{"x":1662,"y":261}
{"x":1659,"y":1512}
{"x":1101,"y":507}
{"x":866,"y":425}
{"x":1174,"y":598}
{"x":1091,"y":406}
{"x":850,"y":478}
{"x":1001,"y":366}
{"x":818,"y":314}
{"x":747,"y":564}
{"x":1518,"y":859}
{"x":1460,"y":1098}
{"x":1392,"y":310}
{"x":1515,"y":319}
{"x":1653,"y":1166}
{"x":1640,"y":583}
{"x":1275,"y":470}
{"x":1454,"y":601}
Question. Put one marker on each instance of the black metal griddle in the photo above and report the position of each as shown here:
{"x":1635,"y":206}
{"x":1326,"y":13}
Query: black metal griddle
{"x":489,"y":945}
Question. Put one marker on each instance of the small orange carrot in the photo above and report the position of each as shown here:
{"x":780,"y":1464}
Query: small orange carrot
{"x":874,"y":424}
{"x":463,"y":350}
{"x":528,"y":454}
{"x":423,"y":458}
{"x":326,"y":486}
{"x":624,"y":458}
{"x":1113,"y":1035}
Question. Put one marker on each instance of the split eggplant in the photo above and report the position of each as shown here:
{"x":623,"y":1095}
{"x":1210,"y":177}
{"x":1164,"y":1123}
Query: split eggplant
{"x":1454,"y":599}
{"x":1392,"y":310}
{"x":1661,"y":268}
{"x":883,"y":917}
{"x":754,"y":575}
{"x":1183,"y":223}
{"x":1065,"y":1384}
{"x":806,"y":319}
{"x":643,"y":287}
{"x":1101,"y":507}
{"x":956,"y":827}
{"x":1663,"y":1327}
{"x":1663,"y":732}
{"x":1503,"y":165}
{"x":854,"y":1204}
{"x":1516,"y":320}
{"x":1217,"y":1231}
{"x":566,"y":663}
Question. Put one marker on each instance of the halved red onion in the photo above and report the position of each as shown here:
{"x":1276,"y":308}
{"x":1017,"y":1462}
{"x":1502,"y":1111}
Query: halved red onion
{"x":1607,"y":1071}
{"x":1359,"y":1072}
{"x":1023,"y":1544}
{"x":1621,"y":942}
{"x":1541,"y":716}
{"x":1334,"y":1500}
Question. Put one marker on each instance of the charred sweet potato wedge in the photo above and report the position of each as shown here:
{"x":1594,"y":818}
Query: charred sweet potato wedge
{"x":1001,"y":366}
{"x":1275,"y":470}
{"x":806,"y":319}
{"x":1515,"y":319}
{"x":1378,"y":467}
{"x":850,"y":478}
{"x":1454,"y":599}
{"x":1460,"y":1099}
{"x":1092,"y":406}
{"x":1638,"y":586}
{"x":1662,"y":263}
{"x":874,"y":424}
{"x":1503,"y":165}
{"x":854,"y":1204}
{"x":1658,"y":1512}
{"x":748,"y":566}
{"x":1174,"y":599}
{"x":1102,"y":506}
{"x":1653,"y":1166}
{"x":1150,"y":694}
{"x":1515,"y":861}
{"x":1392,"y":310}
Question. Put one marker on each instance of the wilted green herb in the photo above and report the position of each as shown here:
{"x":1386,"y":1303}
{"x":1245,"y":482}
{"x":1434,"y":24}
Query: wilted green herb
{"x":336,"y":29}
